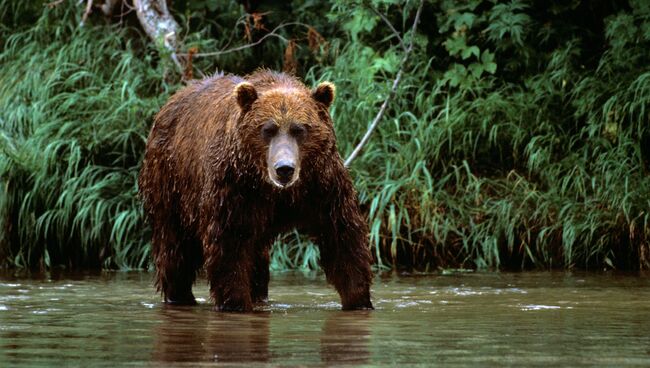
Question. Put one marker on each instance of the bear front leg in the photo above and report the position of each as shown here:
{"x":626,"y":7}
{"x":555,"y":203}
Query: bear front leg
{"x":260,"y":276}
{"x":177,"y":260}
{"x":345,"y":254}
{"x":229,"y":269}
{"x":348,"y":270}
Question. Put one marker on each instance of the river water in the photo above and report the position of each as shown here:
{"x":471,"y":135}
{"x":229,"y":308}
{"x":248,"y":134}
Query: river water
{"x":465,"y":319}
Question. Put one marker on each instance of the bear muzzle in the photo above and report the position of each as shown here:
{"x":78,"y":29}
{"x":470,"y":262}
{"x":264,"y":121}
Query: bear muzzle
{"x":283,"y":163}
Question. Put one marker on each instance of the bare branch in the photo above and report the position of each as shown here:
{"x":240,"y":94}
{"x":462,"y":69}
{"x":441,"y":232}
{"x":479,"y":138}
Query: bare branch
{"x":253,"y":44}
{"x":390,"y":25}
{"x":393,"y":91}
{"x":89,"y":9}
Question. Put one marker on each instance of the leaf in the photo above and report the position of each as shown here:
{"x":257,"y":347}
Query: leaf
{"x":476,"y":69}
{"x":469,"y":51}
{"x":456,"y":75}
{"x":455,"y":45}
{"x":388,"y":63}
{"x":362,"y":21}
{"x":487,"y":59}
{"x":464,"y":19}
{"x":383,"y":64}
{"x":490,"y":67}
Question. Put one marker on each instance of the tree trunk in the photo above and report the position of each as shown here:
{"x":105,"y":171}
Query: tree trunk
{"x":158,"y":23}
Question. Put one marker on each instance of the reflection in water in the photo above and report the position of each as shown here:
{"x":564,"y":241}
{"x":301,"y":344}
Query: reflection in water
{"x":526,"y":319}
{"x":345,"y":338}
{"x":194,"y":334}
{"x":186,"y":334}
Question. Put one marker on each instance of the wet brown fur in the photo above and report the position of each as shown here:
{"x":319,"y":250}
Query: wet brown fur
{"x":205,"y":189}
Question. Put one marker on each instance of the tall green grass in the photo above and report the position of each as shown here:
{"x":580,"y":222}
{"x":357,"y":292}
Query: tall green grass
{"x":519,"y":137}
{"x":76,"y":105}
{"x":544,"y":168}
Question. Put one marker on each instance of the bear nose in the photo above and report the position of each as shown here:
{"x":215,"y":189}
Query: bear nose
{"x":285,"y":171}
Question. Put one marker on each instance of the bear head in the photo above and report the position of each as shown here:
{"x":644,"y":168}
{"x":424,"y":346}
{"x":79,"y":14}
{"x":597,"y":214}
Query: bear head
{"x":286,"y":128}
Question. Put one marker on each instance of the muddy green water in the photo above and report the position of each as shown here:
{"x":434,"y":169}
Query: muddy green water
{"x":526,"y":319}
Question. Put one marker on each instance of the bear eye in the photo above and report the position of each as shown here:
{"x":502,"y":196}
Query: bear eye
{"x":269,"y":130}
{"x":298,"y":130}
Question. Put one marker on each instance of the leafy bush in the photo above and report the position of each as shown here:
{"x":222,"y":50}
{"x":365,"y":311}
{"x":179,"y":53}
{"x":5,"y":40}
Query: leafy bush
{"x":518,"y":138}
{"x":520,"y":143}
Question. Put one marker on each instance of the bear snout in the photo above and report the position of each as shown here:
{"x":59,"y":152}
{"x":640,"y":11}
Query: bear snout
{"x":284,"y":173}
{"x":285,"y":170}
{"x":283,"y":160}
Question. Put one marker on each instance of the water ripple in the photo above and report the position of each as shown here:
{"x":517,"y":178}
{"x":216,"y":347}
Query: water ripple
{"x":536,"y":307}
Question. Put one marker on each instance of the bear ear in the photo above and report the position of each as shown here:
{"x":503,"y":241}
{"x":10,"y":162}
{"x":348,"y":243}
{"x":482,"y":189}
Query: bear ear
{"x":245,"y":94}
{"x":324,"y":93}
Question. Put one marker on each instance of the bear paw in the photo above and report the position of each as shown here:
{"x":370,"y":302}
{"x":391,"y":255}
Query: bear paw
{"x":361,"y":306}
{"x":181,"y":299}
{"x":234,"y":304}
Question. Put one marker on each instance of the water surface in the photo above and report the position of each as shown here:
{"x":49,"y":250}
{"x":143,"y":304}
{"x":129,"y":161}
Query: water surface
{"x":522,"y":319}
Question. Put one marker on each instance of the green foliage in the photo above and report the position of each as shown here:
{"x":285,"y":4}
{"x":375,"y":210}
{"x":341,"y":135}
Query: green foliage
{"x":496,"y":154}
{"x":518,"y":138}
{"x":76,"y":105}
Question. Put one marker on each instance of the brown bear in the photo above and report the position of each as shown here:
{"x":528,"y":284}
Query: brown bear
{"x":232,"y":162}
